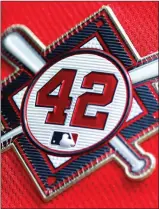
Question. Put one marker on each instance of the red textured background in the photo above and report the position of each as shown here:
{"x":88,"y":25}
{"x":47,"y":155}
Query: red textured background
{"x":108,"y":187}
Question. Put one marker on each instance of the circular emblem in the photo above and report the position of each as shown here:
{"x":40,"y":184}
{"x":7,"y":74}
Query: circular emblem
{"x":77,"y":102}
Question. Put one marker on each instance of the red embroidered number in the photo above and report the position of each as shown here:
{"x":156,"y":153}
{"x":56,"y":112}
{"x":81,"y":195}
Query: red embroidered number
{"x":98,"y":122}
{"x":65,"y":79}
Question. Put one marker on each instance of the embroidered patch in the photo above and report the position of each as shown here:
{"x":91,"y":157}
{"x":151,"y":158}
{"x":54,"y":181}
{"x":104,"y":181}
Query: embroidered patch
{"x":99,"y":39}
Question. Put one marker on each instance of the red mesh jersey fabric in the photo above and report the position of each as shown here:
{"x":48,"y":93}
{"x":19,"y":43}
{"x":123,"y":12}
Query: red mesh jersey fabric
{"x":108,"y":187}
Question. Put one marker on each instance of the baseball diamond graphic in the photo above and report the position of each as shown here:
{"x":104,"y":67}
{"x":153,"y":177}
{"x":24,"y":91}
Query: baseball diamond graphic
{"x":100,"y":31}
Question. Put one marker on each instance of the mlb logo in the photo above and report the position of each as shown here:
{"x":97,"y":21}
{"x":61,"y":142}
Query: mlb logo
{"x":64,"y":139}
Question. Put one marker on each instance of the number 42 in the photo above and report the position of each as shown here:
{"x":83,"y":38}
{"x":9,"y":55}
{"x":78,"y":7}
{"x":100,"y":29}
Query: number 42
{"x":65,"y":79}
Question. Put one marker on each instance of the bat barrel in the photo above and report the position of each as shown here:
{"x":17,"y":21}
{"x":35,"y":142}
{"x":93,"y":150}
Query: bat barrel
{"x":17,"y":46}
{"x":144,"y":72}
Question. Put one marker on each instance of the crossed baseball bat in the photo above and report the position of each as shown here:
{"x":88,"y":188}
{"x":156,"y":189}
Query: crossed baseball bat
{"x":17,"y":46}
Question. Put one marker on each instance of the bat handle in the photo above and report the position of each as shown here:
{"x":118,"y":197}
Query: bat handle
{"x":136,"y":164}
{"x":16,"y":45}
